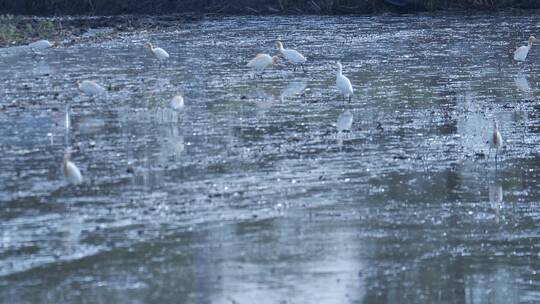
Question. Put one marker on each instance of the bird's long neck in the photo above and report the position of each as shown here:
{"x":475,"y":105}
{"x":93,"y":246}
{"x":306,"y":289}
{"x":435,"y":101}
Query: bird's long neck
{"x":65,"y":167}
{"x":339,"y":72}
{"x":496,"y":137}
{"x":529,"y":44}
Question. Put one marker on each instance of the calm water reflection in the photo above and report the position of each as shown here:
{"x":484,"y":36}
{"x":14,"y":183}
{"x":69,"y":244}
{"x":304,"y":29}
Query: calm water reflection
{"x":249,"y":194}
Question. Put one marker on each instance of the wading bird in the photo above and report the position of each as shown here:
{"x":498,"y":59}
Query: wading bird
{"x":496,"y":140}
{"x":292,"y":56}
{"x":90,"y":87}
{"x":160,"y":54}
{"x":343,"y":83}
{"x":40,"y":45}
{"x":72,"y":174}
{"x":177,"y":102}
{"x":261,"y":62}
{"x":520,"y":54}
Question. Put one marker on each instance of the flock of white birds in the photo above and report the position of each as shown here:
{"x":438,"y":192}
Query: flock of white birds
{"x":261,"y":62}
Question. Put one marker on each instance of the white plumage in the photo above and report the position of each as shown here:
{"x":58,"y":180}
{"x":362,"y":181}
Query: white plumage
{"x":261,"y":62}
{"x":343,"y":83}
{"x":177,"y":102}
{"x":520,"y":54}
{"x":72,"y":174}
{"x":291,"y":55}
{"x":344,"y":121}
{"x":40,"y":45}
{"x":90,"y":87}
{"x":160,"y":54}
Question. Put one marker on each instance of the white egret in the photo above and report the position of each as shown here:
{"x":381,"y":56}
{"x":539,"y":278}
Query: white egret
{"x":161,"y":55}
{"x":261,"y":62}
{"x":292,"y":56}
{"x":344,"y":121}
{"x":177,"y":102}
{"x":72,"y":174}
{"x":90,"y":87}
{"x":40,"y":45}
{"x":520,"y":54}
{"x":343,"y":83}
{"x":496,"y":140}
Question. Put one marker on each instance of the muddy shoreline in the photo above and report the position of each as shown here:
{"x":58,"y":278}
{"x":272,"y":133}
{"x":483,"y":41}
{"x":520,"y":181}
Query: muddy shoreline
{"x":21,"y":30}
{"x":18,"y":30}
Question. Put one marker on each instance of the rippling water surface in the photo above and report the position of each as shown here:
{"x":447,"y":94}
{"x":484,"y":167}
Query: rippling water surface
{"x":250,"y":195}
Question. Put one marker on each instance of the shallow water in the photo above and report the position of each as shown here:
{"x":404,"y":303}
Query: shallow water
{"x":250,"y":194}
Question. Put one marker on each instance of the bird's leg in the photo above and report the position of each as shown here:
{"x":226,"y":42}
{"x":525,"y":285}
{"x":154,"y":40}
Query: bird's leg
{"x":303,"y":68}
{"x":294,"y":68}
{"x":36,"y":54}
{"x":350,"y":97}
{"x":496,"y":154}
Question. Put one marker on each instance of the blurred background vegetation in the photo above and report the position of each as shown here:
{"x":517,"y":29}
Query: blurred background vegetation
{"x":115,"y":7}
{"x":14,"y":29}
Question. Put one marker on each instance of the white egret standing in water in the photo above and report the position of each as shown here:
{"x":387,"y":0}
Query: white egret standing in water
{"x":261,"y":62}
{"x":520,"y":54}
{"x":292,"y":56}
{"x":39,"y":45}
{"x":343,"y":83}
{"x":161,"y":55}
{"x":72,"y":174}
{"x":496,"y":140}
{"x":90,"y":87}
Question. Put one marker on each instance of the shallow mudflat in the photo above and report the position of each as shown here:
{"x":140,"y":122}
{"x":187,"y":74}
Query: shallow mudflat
{"x":250,"y":192}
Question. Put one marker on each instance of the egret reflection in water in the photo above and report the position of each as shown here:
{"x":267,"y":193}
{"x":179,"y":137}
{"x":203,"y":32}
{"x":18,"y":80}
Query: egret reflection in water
{"x":522,"y":83}
{"x":292,"y":89}
{"x":496,"y":199}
